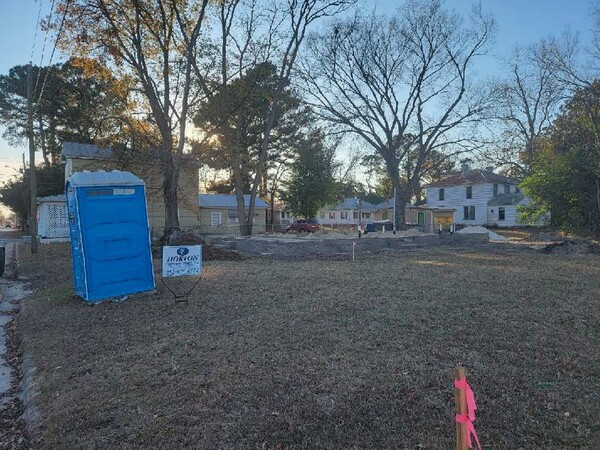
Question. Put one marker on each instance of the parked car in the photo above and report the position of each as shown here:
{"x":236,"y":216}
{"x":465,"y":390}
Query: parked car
{"x":309,"y":225}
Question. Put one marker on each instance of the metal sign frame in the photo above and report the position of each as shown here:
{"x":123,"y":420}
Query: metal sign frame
{"x":186,"y":261}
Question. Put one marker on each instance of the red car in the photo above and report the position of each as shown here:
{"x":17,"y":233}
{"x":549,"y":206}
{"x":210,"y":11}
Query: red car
{"x":310,"y":226}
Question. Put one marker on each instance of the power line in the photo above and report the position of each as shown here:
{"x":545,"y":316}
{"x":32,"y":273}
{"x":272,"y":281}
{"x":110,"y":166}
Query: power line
{"x":37,"y":26}
{"x":37,"y":78}
{"x":62,"y":23}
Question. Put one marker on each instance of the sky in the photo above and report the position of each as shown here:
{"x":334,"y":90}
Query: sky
{"x":521,"y":22}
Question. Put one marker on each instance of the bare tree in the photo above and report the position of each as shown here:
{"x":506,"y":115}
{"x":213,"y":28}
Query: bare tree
{"x":403,"y":84}
{"x":154,"y":42}
{"x":574,"y":63}
{"x":255,"y":32}
{"x":528,"y":100}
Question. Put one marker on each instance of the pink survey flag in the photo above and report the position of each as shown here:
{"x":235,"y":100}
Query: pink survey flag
{"x":469,"y":417}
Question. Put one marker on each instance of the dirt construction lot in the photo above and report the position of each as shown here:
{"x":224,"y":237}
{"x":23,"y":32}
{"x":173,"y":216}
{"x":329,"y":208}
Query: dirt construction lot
{"x":324,"y":354}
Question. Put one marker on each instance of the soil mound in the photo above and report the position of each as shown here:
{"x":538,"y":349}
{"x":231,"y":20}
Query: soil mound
{"x":544,"y":236}
{"x":209,"y":252}
{"x":573,"y":247}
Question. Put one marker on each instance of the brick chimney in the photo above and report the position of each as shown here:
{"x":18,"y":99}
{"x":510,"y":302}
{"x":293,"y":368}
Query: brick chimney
{"x":464,"y":168}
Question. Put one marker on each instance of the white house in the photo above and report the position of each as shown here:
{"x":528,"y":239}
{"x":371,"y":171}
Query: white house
{"x":479,"y":197}
{"x":351,"y":211}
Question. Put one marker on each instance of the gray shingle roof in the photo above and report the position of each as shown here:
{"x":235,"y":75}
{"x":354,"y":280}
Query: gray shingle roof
{"x":226,"y":201}
{"x":351,"y":204}
{"x":506,"y":199}
{"x":474,"y":176}
{"x":88,"y":151}
{"x":389,"y":204}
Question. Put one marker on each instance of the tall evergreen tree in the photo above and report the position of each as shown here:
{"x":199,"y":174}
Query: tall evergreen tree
{"x":236,"y":116}
{"x":312,"y":184}
{"x":77,"y":104}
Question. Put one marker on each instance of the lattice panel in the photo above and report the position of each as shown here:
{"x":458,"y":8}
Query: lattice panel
{"x":57,"y":220}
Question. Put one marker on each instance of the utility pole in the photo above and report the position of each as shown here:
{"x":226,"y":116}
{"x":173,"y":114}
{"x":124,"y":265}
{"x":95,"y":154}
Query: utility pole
{"x":32,"y":174}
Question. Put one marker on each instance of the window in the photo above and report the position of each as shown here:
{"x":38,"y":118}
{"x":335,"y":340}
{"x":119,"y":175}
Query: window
{"x":98,"y":192}
{"x":507,"y":188}
{"x":332,"y":215}
{"x":232,"y":216}
{"x":501,"y":213}
{"x":469,"y":191}
{"x":366,"y":215}
{"x":384,"y":215}
{"x":441,"y":194}
{"x":344,"y":215}
{"x":215,"y":219}
{"x":495,"y":189}
{"x":355,"y":215}
{"x":469,"y":213}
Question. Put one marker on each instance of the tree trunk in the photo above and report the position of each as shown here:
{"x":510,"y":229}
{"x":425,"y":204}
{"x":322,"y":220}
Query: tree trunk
{"x":238,"y":184}
{"x":241,"y":206}
{"x":272,"y":201}
{"x":170,"y":183}
{"x":598,"y":196}
{"x":43,"y":141}
{"x":400,"y":219}
{"x":393,"y":168}
{"x":52,"y":145}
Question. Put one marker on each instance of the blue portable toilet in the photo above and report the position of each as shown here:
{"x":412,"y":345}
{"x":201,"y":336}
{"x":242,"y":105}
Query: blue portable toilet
{"x":110,"y":236}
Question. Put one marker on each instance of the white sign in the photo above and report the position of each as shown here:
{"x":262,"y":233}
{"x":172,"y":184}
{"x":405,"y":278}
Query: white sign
{"x":181,"y":261}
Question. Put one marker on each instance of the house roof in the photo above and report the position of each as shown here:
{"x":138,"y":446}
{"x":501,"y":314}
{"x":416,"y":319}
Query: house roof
{"x":86,"y":151}
{"x":91,"y":151}
{"x":102,"y":178}
{"x":226,"y":201}
{"x":52,"y":198}
{"x":473,"y":176}
{"x":388,"y":204}
{"x":506,"y":199}
{"x":351,"y":204}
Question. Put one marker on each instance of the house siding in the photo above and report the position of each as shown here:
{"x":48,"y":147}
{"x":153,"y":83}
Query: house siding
{"x":511,"y":214}
{"x":227,"y":227}
{"x":456,"y":197}
{"x":153,"y":177}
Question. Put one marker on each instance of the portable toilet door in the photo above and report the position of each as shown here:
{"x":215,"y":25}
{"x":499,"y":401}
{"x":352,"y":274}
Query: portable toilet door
{"x":110,"y":236}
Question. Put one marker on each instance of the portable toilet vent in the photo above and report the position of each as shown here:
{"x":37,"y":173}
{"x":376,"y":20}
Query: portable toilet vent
{"x":110,"y":238}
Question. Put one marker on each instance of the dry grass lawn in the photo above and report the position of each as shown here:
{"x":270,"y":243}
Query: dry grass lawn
{"x":324,"y":354}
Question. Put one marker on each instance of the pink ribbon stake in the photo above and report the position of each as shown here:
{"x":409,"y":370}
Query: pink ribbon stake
{"x":469,"y":417}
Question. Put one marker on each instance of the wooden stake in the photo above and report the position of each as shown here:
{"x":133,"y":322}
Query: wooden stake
{"x":460,"y":400}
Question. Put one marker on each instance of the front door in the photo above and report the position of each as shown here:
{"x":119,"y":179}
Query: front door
{"x":421,"y":220}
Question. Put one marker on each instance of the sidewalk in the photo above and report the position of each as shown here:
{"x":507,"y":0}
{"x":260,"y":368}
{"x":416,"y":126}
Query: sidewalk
{"x":12,"y":433}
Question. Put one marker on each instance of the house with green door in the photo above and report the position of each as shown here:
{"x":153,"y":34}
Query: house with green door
{"x":427,"y":219}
